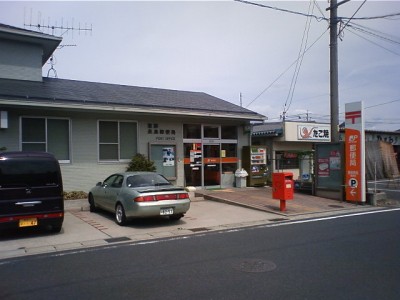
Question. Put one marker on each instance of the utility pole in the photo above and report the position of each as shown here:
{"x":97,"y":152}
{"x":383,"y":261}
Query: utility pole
{"x":334,"y":82}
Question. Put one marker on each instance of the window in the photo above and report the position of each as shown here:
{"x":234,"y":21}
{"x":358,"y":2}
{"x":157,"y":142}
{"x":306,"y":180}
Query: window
{"x":211,"y":132}
{"x":229,"y":132}
{"x":191,"y":131}
{"x":46,"y":134}
{"x":286,"y":160}
{"x":117,"y":140}
{"x":229,"y":158}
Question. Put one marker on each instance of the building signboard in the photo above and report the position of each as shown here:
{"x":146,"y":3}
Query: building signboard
{"x":355,"y":153}
{"x":313,"y":133}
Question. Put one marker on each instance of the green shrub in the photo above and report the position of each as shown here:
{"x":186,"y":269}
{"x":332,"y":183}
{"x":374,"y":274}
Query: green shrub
{"x":75,"y":195}
{"x":139,"y":162}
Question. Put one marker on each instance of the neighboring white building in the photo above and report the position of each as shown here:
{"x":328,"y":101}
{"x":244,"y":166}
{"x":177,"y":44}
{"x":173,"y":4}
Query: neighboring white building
{"x":290,"y":144}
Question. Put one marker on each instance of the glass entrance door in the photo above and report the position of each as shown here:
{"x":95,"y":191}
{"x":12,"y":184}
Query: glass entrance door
{"x":193,"y":164}
{"x":212,"y":164}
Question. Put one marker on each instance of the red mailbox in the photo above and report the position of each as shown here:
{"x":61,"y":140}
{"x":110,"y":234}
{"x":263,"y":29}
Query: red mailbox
{"x":282,"y":188}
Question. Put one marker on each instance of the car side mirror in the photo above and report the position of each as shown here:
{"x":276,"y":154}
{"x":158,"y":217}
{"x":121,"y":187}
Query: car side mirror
{"x":98,"y":184}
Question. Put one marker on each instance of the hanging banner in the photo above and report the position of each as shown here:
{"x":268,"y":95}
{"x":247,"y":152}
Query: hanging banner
{"x":355,"y":153}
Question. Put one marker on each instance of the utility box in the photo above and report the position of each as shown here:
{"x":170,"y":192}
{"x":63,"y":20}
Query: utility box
{"x":282,"y":186}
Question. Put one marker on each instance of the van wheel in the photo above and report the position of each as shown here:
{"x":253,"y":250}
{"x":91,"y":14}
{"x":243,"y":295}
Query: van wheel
{"x":56,"y":228}
{"x":92,"y":206}
{"x":120,"y":217}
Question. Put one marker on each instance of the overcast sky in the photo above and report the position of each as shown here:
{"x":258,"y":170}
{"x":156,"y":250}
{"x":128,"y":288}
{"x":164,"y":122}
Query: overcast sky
{"x":227,"y":48}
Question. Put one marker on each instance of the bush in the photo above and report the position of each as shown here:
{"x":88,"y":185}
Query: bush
{"x":75,"y":195}
{"x":140,"y":163}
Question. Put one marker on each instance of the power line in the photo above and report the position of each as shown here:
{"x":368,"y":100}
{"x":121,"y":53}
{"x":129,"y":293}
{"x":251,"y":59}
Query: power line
{"x":283,"y":10}
{"x":318,"y":116}
{"x":320,"y":10}
{"x":369,"y":32}
{"x":375,"y":17}
{"x":380,"y":104}
{"x":340,"y":31}
{"x":316,"y":17}
{"x":296,"y":73}
{"x":287,"y":69}
{"x":376,"y":44}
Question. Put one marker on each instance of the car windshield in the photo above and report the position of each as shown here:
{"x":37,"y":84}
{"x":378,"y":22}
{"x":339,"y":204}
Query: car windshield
{"x":142,"y":180}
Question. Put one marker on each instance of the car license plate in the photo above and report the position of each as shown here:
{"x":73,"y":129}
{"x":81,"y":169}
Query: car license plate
{"x":166,"y":211}
{"x":28,"y":222}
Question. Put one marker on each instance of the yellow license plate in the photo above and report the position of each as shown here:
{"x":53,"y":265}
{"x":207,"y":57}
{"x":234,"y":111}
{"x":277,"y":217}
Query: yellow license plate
{"x":28,"y":222}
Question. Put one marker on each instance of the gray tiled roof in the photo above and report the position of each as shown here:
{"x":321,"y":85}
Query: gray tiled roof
{"x":268,"y":129}
{"x":102,"y":93}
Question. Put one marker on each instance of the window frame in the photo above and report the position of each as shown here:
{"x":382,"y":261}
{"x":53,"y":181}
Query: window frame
{"x":119,"y":159}
{"x":21,"y":142}
{"x":281,"y":165}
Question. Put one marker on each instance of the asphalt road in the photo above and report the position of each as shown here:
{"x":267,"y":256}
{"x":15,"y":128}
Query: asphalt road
{"x":339,"y":257}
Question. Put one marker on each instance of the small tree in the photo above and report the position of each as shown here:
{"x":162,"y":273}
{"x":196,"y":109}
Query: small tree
{"x":140,"y":163}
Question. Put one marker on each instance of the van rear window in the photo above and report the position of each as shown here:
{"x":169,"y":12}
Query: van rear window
{"x":28,"y":173}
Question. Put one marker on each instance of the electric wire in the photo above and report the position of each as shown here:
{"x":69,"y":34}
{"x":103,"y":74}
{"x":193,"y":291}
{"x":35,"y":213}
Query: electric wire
{"x":349,"y":24}
{"x":314,"y":16}
{"x":372,"y":42}
{"x":344,"y":26}
{"x":283,"y":10}
{"x":287,"y":69}
{"x":377,"y":105}
{"x":375,"y":17}
{"x":369,"y":32}
{"x":321,"y":11}
{"x":296,"y":73}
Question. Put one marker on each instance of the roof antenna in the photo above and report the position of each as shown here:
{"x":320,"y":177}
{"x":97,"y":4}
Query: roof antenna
{"x":52,"y":63}
{"x":56,"y":30}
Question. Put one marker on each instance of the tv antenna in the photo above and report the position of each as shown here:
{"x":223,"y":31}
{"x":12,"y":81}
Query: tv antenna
{"x":56,"y":30}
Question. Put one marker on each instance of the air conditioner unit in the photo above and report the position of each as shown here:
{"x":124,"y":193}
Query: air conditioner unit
{"x":3,"y":119}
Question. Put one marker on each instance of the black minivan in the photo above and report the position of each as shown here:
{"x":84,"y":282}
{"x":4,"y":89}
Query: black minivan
{"x":31,"y":191}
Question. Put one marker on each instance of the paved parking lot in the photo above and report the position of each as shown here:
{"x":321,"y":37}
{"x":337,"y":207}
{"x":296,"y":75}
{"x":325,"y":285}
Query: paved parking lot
{"x":83,"y":229}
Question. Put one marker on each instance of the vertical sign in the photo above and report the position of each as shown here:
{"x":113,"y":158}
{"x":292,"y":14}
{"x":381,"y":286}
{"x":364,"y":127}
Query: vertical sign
{"x":355,"y":153}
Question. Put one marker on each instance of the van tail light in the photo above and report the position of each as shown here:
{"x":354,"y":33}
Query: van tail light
{"x":161,"y":197}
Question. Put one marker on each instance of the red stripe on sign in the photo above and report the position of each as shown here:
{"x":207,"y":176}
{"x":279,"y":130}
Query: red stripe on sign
{"x":353,"y":114}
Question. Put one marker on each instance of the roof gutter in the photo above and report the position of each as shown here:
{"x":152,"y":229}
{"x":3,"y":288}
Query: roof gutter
{"x":132,"y":109}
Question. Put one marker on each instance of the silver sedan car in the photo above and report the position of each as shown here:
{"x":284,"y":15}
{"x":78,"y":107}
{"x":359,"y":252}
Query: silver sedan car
{"x":139,"y":194}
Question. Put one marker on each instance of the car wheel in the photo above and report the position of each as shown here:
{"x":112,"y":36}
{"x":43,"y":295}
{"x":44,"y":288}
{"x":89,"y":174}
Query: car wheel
{"x":120,"y":217}
{"x":92,"y":207}
{"x":176,"y":217}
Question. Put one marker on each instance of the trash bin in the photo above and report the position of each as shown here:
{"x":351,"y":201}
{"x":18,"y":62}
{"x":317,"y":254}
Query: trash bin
{"x":241,"y":175}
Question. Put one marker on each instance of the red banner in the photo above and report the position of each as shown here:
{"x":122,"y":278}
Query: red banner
{"x":353,"y":165}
